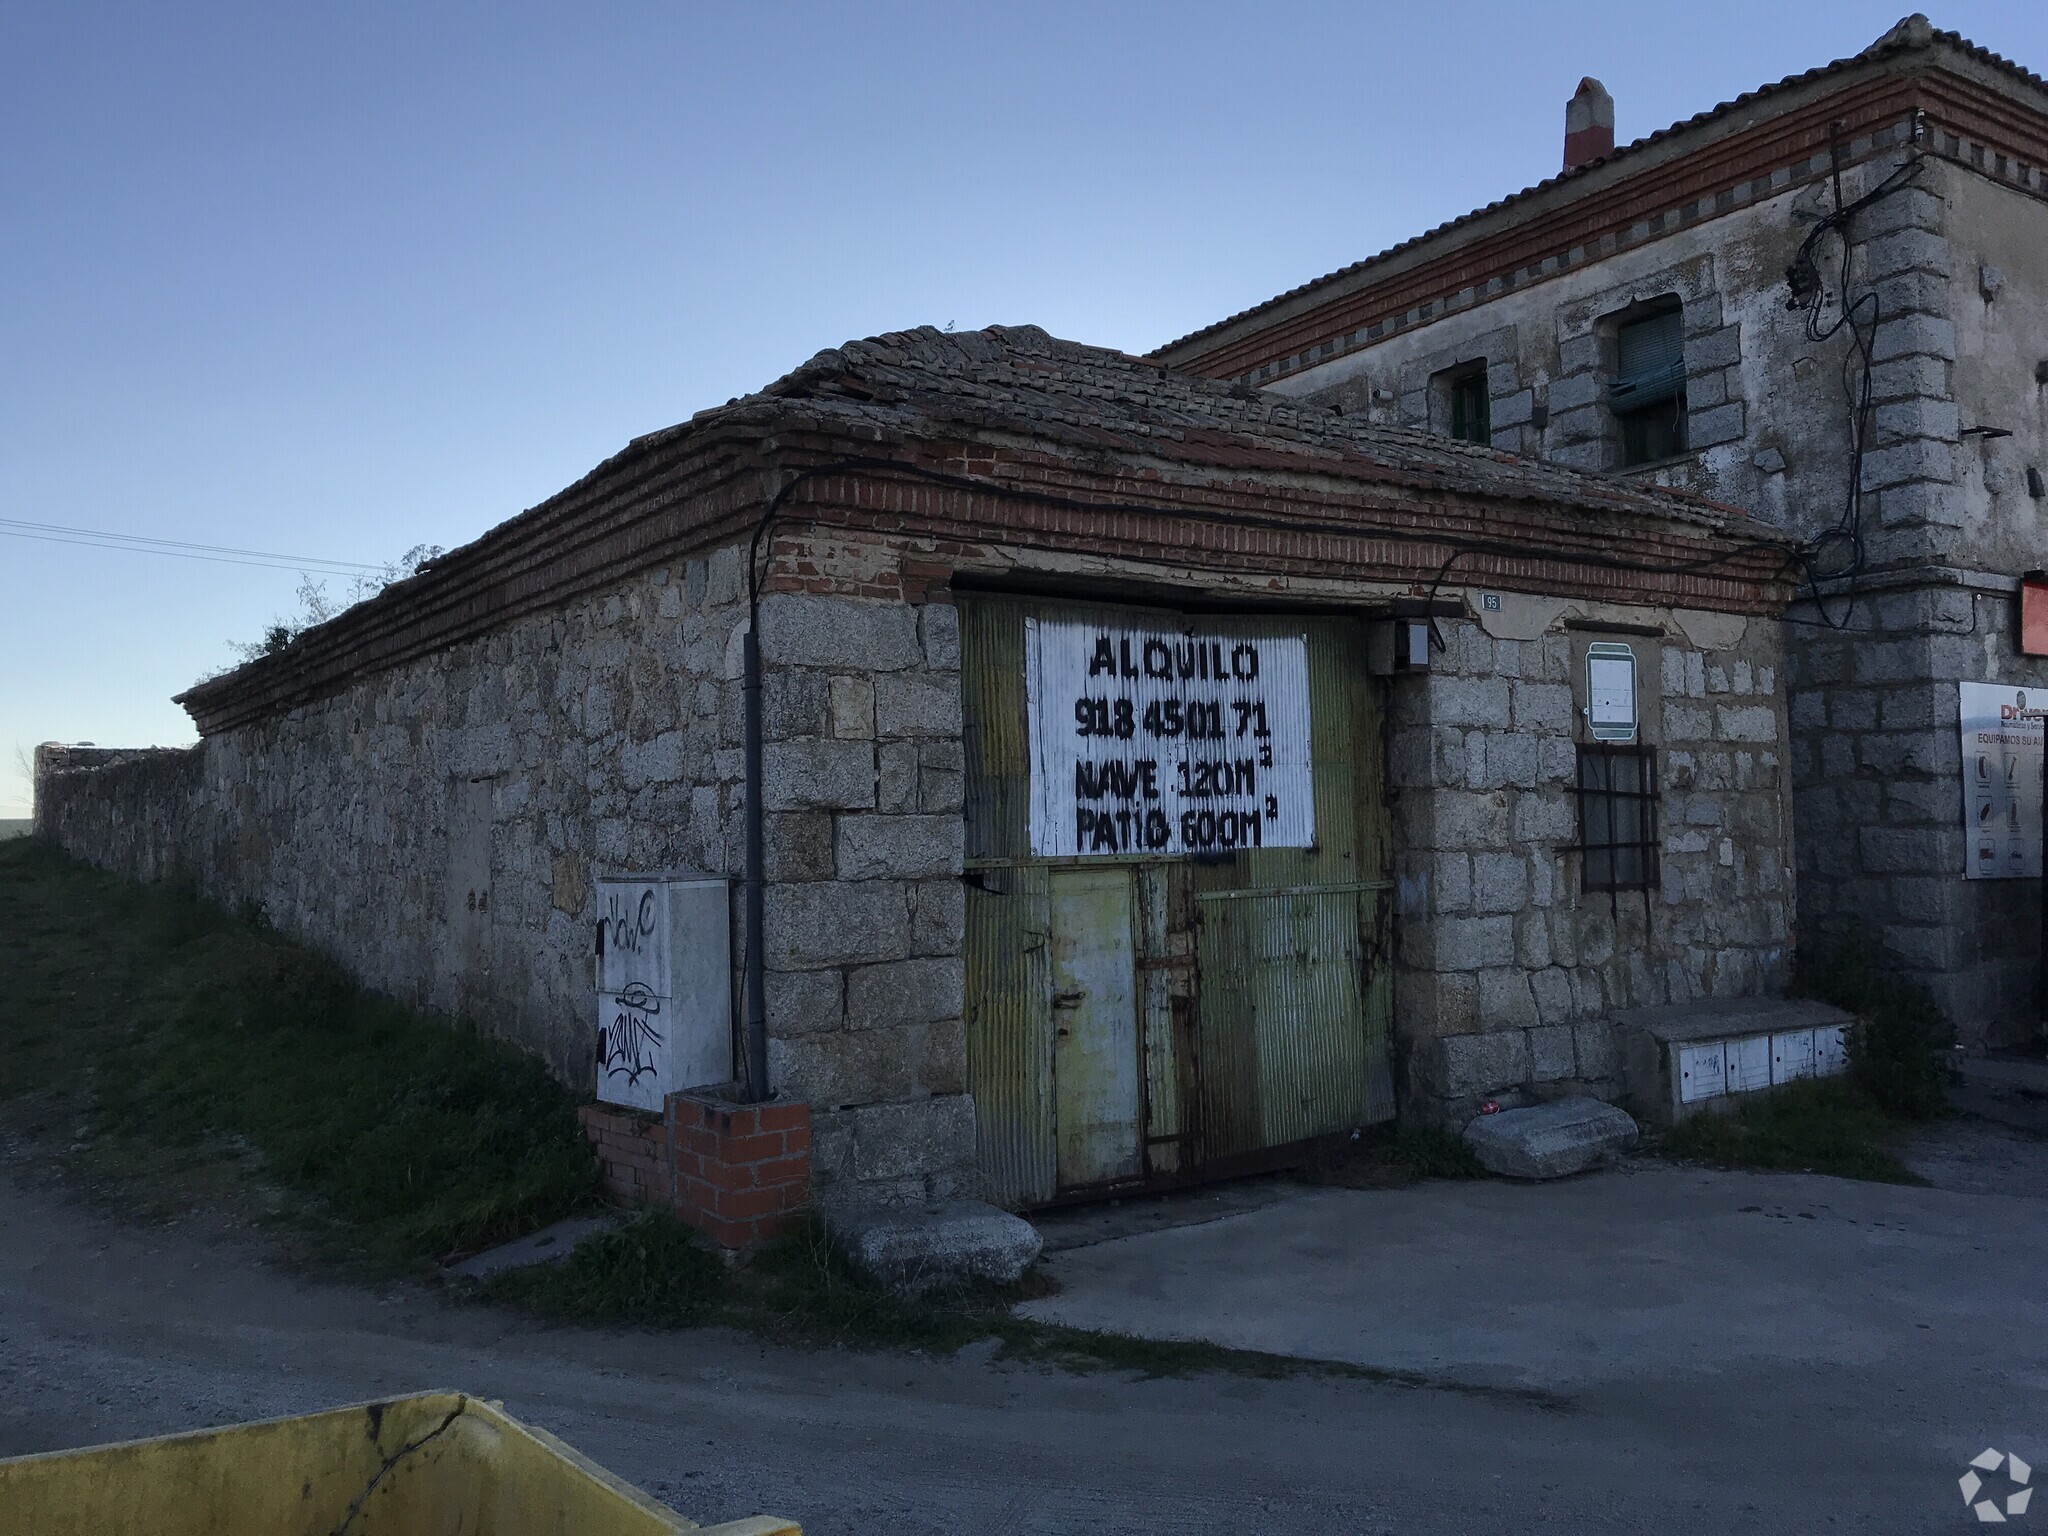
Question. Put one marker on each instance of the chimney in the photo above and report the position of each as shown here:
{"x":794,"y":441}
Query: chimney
{"x":1588,"y":124}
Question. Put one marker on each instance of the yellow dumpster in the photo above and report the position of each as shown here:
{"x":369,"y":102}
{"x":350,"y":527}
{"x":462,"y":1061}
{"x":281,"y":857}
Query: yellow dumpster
{"x":439,"y":1464}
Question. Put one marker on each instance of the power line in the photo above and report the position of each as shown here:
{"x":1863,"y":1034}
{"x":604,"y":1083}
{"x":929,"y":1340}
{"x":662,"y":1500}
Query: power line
{"x":97,"y":538}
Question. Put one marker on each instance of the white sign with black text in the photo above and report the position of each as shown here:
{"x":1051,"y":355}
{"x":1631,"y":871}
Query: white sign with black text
{"x":2002,"y":735}
{"x":1160,"y":741}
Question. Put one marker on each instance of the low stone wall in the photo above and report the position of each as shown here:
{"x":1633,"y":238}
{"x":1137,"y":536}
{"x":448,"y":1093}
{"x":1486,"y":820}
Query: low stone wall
{"x":438,"y":828}
{"x":130,"y":811}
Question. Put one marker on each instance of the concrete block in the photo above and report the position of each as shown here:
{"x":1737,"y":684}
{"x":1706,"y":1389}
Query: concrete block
{"x":938,"y":626}
{"x":1551,"y":1141}
{"x":1721,"y":424}
{"x":898,"y":847}
{"x":1482,"y":1063}
{"x":838,"y":633}
{"x":1550,"y":1053}
{"x":817,"y":775}
{"x":927,"y":1247}
{"x":550,"y":1245}
{"x":918,"y":705}
{"x":904,"y":992}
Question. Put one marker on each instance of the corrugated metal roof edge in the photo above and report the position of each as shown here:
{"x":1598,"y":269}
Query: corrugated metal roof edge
{"x":1903,"y":38}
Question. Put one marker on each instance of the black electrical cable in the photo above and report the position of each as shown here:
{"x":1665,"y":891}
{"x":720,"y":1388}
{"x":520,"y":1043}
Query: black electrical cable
{"x":1859,"y":313}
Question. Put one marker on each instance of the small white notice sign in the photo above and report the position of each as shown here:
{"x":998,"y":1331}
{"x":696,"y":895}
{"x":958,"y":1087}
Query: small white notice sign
{"x":1163,"y":741}
{"x":1611,"y":691}
{"x":2002,"y":734}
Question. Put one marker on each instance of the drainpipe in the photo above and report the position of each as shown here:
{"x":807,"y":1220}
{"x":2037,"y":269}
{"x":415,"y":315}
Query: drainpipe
{"x":756,"y":982}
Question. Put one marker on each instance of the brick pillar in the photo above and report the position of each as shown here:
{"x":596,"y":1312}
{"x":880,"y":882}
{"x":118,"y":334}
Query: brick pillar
{"x":742,"y":1171}
{"x":633,"y":1149}
{"x":739,"y":1173}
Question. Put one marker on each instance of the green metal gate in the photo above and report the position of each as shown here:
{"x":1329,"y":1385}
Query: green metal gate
{"x":1139,"y":1017}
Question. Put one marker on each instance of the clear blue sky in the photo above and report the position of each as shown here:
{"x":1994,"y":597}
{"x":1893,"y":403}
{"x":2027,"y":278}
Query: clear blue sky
{"x":337,"y":280}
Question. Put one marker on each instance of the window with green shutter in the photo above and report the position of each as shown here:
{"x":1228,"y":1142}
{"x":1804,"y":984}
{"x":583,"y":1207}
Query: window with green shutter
{"x":1647,"y":394}
{"x":1471,"y":413}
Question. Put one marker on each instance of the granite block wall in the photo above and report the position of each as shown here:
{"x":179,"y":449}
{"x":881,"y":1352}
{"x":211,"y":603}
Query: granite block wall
{"x":1509,"y":972}
{"x":438,"y":828}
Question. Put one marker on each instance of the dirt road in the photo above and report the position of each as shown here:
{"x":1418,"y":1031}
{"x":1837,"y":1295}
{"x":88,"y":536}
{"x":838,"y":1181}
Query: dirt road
{"x":109,"y":1331}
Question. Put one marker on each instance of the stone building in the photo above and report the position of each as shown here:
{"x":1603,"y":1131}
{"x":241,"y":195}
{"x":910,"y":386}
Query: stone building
{"x":1825,"y":302}
{"x":1150,"y":773}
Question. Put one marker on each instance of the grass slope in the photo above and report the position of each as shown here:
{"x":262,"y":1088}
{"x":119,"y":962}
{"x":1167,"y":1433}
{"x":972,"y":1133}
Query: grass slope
{"x":150,"y":1034}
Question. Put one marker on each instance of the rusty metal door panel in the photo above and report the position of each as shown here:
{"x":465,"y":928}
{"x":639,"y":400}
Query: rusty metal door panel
{"x":1295,"y":988}
{"x":1166,"y":976}
{"x":1009,"y":1035}
{"x":1097,"y":1075}
{"x":1251,"y":1004}
{"x":1009,"y":979}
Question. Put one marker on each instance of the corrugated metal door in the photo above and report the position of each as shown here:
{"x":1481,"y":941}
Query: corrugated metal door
{"x":1095,"y":1065}
{"x":1218,"y":1004}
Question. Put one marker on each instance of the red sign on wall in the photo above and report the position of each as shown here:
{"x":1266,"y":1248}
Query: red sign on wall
{"x":2034,"y":614}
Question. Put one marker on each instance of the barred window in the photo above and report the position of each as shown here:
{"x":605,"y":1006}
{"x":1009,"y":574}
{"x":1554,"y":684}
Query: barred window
{"x":1618,"y":816}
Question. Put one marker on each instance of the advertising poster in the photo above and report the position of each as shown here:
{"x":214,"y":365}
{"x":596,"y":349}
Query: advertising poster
{"x":1157,"y":741}
{"x":2002,"y":735}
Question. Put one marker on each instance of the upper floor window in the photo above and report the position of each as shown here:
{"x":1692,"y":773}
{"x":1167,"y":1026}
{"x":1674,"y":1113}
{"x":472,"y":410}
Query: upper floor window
{"x":1459,"y":403}
{"x":1647,"y":395}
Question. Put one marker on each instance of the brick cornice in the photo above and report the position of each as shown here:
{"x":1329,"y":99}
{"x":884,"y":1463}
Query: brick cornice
{"x":1571,"y":224}
{"x":692,"y":494}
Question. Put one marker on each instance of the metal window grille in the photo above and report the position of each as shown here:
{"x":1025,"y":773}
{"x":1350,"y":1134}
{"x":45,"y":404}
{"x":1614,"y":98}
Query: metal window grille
{"x":1617,"y":788}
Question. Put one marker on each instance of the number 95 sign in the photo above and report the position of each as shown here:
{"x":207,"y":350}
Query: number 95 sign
{"x":1147,"y":741}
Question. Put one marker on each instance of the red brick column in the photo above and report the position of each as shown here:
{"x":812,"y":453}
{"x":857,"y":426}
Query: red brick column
{"x":739,"y":1173}
{"x":742,"y":1171}
{"x":633,"y":1149}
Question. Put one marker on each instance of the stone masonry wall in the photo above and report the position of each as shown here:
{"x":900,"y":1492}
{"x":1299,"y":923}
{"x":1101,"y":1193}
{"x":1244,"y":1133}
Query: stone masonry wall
{"x":439,"y":827}
{"x":1955,"y":260}
{"x":1509,"y":973}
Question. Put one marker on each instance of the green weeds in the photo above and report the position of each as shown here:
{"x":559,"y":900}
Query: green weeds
{"x":1830,"y":1125}
{"x":149,"y":1034}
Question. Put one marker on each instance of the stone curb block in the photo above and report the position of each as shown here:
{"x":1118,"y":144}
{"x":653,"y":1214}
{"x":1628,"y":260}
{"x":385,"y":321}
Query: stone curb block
{"x":1549,"y":1141}
{"x":914,"y":1248}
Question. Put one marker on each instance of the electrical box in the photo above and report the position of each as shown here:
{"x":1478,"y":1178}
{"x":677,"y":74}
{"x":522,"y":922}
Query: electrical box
{"x":1748,"y":1062}
{"x":2034,"y":614}
{"x":1702,"y":1072}
{"x":664,"y":987}
{"x":1792,"y":1055}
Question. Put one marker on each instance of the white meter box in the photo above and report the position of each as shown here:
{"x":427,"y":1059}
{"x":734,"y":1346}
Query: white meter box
{"x":664,"y":988}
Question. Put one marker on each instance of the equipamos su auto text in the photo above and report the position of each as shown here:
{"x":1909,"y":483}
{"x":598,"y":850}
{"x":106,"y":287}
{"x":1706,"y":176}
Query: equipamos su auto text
{"x":1145,"y":742}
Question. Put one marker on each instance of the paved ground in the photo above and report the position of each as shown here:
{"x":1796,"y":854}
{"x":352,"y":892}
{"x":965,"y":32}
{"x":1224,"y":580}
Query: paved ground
{"x":1705,"y":1353}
